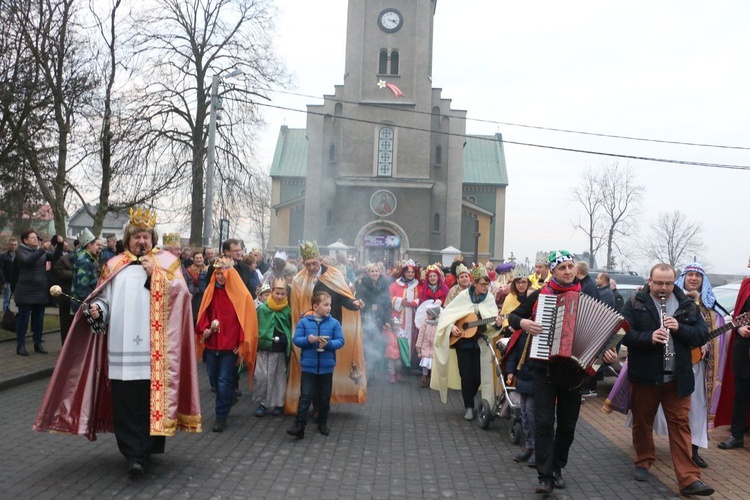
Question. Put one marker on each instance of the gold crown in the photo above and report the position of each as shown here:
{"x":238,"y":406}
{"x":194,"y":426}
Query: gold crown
{"x":309,"y":250}
{"x":172,"y":239}
{"x":478,"y":272}
{"x":279,"y":283}
{"x":264,"y":288}
{"x":141,"y":217}
{"x":432,"y":268}
{"x":223,"y":263}
{"x":460,"y":269}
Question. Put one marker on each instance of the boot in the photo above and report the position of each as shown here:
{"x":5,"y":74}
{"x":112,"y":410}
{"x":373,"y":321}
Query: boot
{"x":21,"y":350}
{"x":39,"y":348}
{"x":425,"y":382}
{"x":392,"y":378}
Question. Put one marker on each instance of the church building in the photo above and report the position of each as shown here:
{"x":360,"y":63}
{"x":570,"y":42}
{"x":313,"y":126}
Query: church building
{"x":384,"y":165}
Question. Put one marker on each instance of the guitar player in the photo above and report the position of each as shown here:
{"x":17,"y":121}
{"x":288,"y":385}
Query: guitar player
{"x":706,"y":359}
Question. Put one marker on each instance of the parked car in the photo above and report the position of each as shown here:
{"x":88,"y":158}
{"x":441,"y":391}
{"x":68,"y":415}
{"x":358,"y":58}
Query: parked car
{"x":726,"y":295}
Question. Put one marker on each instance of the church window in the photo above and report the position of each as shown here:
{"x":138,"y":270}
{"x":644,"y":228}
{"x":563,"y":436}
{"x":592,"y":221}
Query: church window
{"x":439,"y":155}
{"x":385,"y":152}
{"x":332,"y":153}
{"x":394,"y":62}
{"x":436,"y":223}
{"x":383,"y":62}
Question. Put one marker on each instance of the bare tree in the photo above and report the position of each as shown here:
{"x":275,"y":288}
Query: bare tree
{"x":183,"y":43}
{"x":52,"y":40}
{"x":621,"y":195}
{"x":674,"y":239}
{"x":588,"y":195}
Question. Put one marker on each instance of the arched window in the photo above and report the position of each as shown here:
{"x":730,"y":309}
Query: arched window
{"x":436,"y":223}
{"x":385,"y":152}
{"x":383,"y":62}
{"x":394,"y":62}
{"x":332,"y":153}
{"x":439,"y":155}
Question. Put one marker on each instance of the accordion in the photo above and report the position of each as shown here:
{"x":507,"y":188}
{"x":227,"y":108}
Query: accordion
{"x":576,"y":326}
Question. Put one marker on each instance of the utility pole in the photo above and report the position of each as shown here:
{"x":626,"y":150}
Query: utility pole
{"x":211,"y":160}
{"x":477,"y":234}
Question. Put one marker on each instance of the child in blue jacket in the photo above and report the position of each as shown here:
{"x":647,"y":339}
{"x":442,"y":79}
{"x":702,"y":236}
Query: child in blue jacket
{"x":318,"y":335}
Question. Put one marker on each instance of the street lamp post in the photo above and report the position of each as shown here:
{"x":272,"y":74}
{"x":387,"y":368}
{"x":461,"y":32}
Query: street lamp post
{"x":211,"y":159}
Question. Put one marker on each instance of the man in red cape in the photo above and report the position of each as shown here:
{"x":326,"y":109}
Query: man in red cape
{"x":140,"y":379}
{"x":735,"y":394}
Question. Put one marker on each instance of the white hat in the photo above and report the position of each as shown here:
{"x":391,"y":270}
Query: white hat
{"x":280,"y":255}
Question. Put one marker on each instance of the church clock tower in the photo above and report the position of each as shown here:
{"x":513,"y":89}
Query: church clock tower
{"x":380,"y":165}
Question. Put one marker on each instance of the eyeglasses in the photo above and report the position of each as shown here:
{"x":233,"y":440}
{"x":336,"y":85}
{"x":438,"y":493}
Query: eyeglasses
{"x":660,"y":284}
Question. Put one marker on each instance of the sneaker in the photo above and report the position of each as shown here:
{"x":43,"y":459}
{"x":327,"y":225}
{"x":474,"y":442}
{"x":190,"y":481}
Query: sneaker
{"x":698,"y":488}
{"x":640,"y":474}
{"x":469,"y":415}
{"x":524,"y":455}
{"x":135,"y":470}
{"x":588,"y":393}
{"x":260,"y":411}
{"x":559,"y":481}
{"x":279,"y":410}
{"x":297,"y":431}
{"x":545,"y":487}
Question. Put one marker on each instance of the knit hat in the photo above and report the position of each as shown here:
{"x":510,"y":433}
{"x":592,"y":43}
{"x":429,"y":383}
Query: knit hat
{"x":85,"y":237}
{"x":558,"y":257}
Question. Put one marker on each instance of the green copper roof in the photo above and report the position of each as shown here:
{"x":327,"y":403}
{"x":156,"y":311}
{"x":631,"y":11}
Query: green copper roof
{"x":484,"y":160}
{"x":290,"y":157}
{"x":484,"y":157}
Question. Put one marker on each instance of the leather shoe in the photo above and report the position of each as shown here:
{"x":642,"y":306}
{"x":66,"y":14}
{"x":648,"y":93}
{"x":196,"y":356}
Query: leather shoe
{"x":324,"y":429}
{"x":640,"y":474}
{"x":135,"y":470}
{"x":545,"y":487}
{"x":21,"y":350}
{"x":531,"y":462}
{"x":40,"y":349}
{"x":698,"y":460}
{"x":732,"y":442}
{"x":220,"y":425}
{"x":698,"y":488}
{"x":524,"y":456}
{"x":297,"y":431}
{"x":559,"y":481}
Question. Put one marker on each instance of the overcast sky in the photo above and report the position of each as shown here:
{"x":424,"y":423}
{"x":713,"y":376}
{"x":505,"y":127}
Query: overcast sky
{"x":669,"y":70}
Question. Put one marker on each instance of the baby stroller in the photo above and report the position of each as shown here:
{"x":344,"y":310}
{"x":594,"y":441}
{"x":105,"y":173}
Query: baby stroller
{"x":507,"y":401}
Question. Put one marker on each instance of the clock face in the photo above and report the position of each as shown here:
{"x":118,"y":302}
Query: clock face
{"x":390,"y":20}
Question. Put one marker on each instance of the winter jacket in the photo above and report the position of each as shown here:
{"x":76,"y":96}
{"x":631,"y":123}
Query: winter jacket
{"x":33,"y":283}
{"x":646,"y":359}
{"x":426,"y":340}
{"x":524,"y":377}
{"x":312,"y":361}
{"x":377,"y":299}
{"x":607,"y":296}
{"x":86,"y":273}
{"x":6,"y":261}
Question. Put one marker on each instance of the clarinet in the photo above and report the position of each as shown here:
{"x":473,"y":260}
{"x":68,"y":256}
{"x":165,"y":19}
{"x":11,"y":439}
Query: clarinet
{"x":667,"y":355}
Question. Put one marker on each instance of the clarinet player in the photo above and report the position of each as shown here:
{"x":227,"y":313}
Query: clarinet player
{"x":660,"y":372}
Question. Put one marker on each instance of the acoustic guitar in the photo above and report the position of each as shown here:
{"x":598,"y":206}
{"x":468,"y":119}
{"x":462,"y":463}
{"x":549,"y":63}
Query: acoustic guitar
{"x":467,"y":326}
{"x":741,"y":320}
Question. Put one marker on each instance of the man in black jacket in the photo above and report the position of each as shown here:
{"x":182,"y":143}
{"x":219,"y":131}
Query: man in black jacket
{"x":664,"y":326}
{"x":587,"y":284}
{"x":557,"y":384}
{"x":606,"y":294}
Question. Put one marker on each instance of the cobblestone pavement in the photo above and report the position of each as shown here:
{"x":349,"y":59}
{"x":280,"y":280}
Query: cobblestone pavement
{"x":403,"y":444}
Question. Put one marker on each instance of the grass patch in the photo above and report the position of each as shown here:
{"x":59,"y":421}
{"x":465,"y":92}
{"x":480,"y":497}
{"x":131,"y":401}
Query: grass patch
{"x":51,"y":322}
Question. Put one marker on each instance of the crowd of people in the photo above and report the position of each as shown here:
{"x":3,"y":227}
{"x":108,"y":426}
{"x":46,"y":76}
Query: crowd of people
{"x":310,"y":331}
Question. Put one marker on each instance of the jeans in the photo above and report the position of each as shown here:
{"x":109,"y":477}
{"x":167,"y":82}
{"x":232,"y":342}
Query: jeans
{"x":316,"y":387}
{"x":6,"y":297}
{"x":222,"y":371}
{"x":36,"y":311}
{"x":527,"y":419}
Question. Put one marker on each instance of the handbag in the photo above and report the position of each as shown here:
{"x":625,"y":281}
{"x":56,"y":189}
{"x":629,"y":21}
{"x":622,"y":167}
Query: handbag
{"x":9,"y":321}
